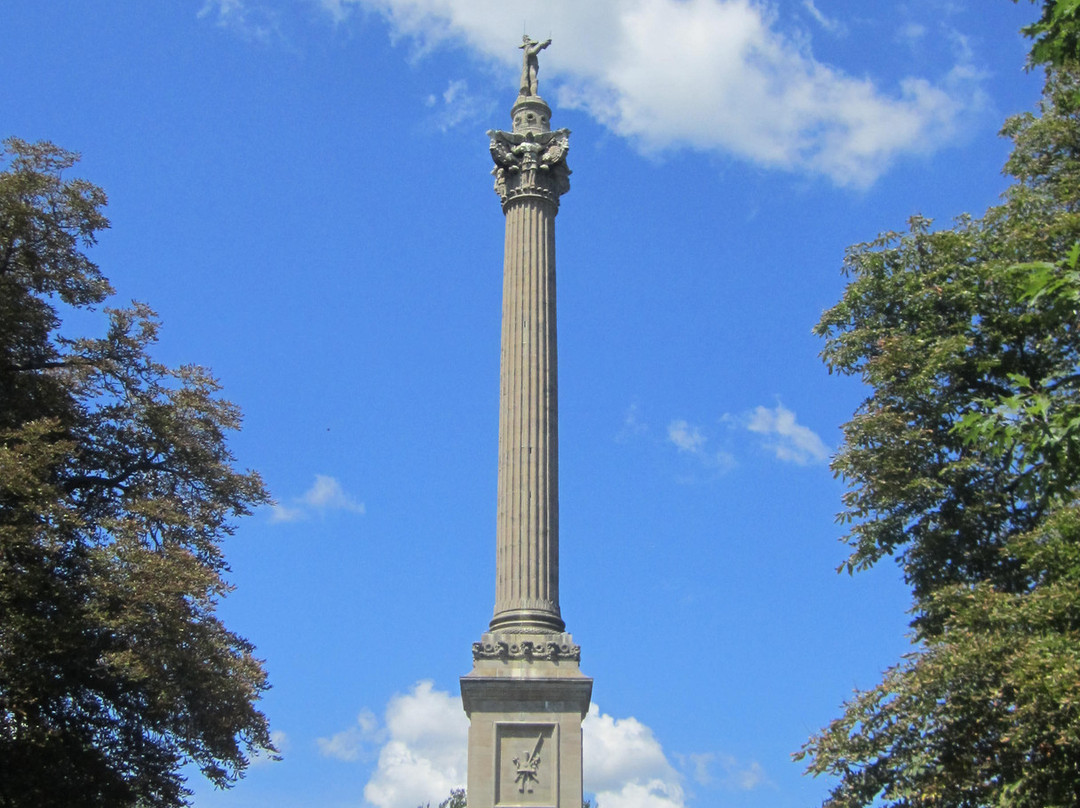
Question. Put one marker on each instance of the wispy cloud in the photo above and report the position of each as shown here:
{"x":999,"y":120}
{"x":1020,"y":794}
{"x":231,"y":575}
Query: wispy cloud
{"x":720,"y":76}
{"x":632,"y":425}
{"x":830,"y":24}
{"x":745,"y":777}
{"x":457,"y":105}
{"x":725,"y":771}
{"x":782,"y":435}
{"x":686,"y":437}
{"x":691,"y":440}
{"x":251,"y":20}
{"x":283,"y":513}
{"x":911,"y":33}
{"x":789,"y":440}
{"x":280,"y":739}
{"x":699,"y":766}
{"x":350,"y":743}
{"x":325,"y":494}
{"x":337,"y":9}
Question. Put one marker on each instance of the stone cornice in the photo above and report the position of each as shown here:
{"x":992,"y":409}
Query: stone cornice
{"x":521,"y":695}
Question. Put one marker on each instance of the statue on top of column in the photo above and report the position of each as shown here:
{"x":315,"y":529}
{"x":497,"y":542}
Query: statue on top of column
{"x":531,"y":64}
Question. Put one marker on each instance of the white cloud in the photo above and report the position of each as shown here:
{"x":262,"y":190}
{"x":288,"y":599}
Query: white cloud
{"x":787,"y":439}
{"x":625,"y":766}
{"x":699,"y":766}
{"x":280,"y":740}
{"x":282,"y":513}
{"x":716,"y":76}
{"x":745,"y":777}
{"x":252,"y":20}
{"x":337,"y":9}
{"x":830,"y":24}
{"x":350,"y":743}
{"x":691,"y":440}
{"x":688,"y":438}
{"x":325,"y":494}
{"x":424,"y":754}
{"x":650,"y":794}
{"x":911,"y":33}
{"x":459,"y":105}
{"x":455,"y":90}
{"x":344,"y":745}
{"x":632,"y":425}
{"x":735,"y":775}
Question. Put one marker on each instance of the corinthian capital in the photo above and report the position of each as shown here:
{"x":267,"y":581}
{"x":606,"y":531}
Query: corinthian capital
{"x":530,"y":164}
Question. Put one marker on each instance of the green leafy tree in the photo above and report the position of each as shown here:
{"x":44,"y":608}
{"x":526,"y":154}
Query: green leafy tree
{"x":963,"y":464}
{"x":116,"y":488}
{"x":1056,"y":34}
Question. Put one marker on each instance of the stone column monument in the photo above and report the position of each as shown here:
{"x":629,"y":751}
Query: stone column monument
{"x":526,"y":695}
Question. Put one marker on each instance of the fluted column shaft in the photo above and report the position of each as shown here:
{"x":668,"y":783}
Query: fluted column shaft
{"x":527,"y":531}
{"x":530,"y":176}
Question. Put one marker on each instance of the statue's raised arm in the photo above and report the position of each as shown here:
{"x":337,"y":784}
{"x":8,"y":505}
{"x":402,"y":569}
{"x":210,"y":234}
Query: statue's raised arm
{"x":531,"y":64}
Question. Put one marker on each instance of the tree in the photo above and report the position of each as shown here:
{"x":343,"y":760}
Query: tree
{"x":455,"y":800}
{"x":116,"y":489}
{"x":1056,"y":35}
{"x":964,"y":464}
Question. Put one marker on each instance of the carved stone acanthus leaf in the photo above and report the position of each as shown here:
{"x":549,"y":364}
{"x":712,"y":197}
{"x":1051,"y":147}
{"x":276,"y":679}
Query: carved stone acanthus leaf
{"x":530,"y":163}
{"x":497,"y":648}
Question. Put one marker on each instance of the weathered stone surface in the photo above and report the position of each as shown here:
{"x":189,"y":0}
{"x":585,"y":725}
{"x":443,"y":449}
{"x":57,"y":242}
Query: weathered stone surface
{"x":525,"y":726}
{"x":530,"y":64}
{"x":526,"y":695}
{"x":530,"y":176}
{"x":512,"y":645}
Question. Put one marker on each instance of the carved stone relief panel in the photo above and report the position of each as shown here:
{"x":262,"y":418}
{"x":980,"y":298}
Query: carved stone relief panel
{"x":526,"y":765}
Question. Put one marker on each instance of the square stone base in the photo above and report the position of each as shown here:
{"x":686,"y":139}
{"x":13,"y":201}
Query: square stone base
{"x":525,"y":732}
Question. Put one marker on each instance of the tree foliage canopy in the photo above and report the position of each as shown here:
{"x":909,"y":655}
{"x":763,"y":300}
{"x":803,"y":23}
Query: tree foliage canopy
{"x":964,"y":464}
{"x":116,"y":489}
{"x":1056,"y":34}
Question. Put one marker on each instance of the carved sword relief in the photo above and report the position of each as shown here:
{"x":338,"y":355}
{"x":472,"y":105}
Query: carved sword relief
{"x":527,"y":766}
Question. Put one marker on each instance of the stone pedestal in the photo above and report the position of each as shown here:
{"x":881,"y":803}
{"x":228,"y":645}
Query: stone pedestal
{"x":525,"y":699}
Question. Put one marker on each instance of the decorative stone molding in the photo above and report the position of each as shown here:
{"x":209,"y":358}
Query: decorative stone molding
{"x":530,"y":163}
{"x":506,"y":647}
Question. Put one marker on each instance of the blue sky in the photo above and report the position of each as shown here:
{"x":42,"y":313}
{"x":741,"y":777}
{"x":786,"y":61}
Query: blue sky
{"x":300,"y":188}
